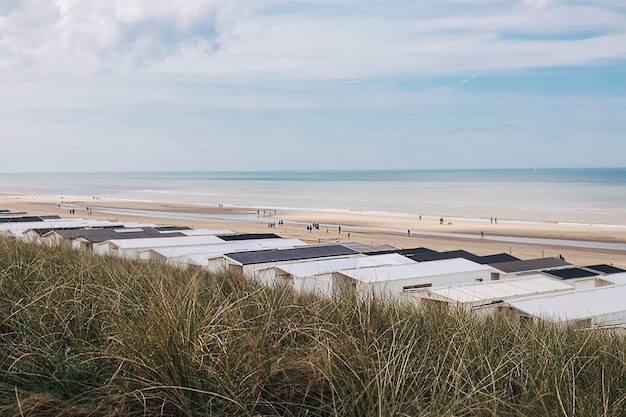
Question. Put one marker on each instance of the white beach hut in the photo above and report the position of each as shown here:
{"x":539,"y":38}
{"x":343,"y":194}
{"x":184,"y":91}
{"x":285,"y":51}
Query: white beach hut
{"x":258,"y":265}
{"x":132,"y":248}
{"x":468,"y":296}
{"x":390,"y":281}
{"x":316,"y":275}
{"x":17,"y":229}
{"x":595,"y":307}
{"x":52,"y":236}
{"x":515,"y":269}
{"x":204,"y":255}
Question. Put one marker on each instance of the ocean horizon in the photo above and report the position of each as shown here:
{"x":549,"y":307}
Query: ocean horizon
{"x":556,"y":195}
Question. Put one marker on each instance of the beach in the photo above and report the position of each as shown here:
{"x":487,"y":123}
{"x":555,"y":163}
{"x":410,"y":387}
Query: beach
{"x":577,"y":243}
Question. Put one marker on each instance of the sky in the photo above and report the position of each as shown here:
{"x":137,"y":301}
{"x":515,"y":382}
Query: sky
{"x":233,"y":85}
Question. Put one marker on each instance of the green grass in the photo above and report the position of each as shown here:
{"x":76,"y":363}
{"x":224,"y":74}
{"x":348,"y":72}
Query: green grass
{"x":83,"y":335}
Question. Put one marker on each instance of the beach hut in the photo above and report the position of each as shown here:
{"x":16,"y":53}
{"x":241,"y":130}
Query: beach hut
{"x":203,"y":255}
{"x":259,"y":265}
{"x":18,"y":229}
{"x":93,"y":238}
{"x":580,"y":278}
{"x":513,"y":269}
{"x":390,"y":281}
{"x":468,"y":296}
{"x":594,"y":307}
{"x":51,"y":235}
{"x":25,"y":218}
{"x":132,"y":248}
{"x":483,"y":260}
{"x":316,"y":275}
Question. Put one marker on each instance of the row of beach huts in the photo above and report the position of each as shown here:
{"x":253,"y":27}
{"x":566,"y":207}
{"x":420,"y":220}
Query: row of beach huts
{"x":545,"y":288}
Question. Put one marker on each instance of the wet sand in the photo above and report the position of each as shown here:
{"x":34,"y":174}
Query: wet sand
{"x":377,"y":230}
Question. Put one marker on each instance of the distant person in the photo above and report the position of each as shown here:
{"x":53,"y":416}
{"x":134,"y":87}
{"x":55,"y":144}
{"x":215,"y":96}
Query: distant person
{"x":441,"y":220}
{"x":408,"y":232}
{"x":482,"y":235}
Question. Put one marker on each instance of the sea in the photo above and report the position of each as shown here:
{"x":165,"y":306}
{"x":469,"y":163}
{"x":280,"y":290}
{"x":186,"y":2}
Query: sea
{"x":586,"y":196}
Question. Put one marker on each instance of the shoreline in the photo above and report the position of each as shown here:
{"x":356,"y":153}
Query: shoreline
{"x":586,"y":243}
{"x":524,"y":240}
{"x":194,"y":206}
{"x":228,"y":211}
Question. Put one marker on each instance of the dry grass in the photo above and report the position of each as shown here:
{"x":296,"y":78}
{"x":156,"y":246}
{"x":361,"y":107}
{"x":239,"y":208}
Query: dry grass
{"x":85,"y":335}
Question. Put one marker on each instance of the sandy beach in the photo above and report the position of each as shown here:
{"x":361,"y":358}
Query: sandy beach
{"x":523,"y":240}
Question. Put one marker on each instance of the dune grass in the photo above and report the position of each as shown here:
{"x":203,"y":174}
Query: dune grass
{"x":83,"y":335}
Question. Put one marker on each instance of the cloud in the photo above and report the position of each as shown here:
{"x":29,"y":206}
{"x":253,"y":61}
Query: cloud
{"x":305,"y":39}
{"x":539,"y":4}
{"x":470,"y":78}
{"x":103,"y":34}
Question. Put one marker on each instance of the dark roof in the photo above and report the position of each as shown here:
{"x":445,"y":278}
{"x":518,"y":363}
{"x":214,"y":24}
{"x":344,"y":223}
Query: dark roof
{"x":45,"y":230}
{"x":606,"y":269}
{"x":278,"y":255}
{"x":415,"y":251}
{"x":570,"y":273}
{"x":406,"y":252}
{"x":530,"y":265}
{"x":497,"y":258}
{"x":5,"y":211}
{"x":171,"y":228}
{"x":116,"y":233}
{"x":482,"y":260}
{"x":249,"y":236}
{"x":26,"y":219}
{"x":424,"y":254}
{"x":436,"y":256}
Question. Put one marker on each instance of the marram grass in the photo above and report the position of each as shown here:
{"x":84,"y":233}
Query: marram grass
{"x":83,"y":335}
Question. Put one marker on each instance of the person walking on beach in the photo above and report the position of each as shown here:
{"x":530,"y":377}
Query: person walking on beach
{"x":408,"y":232}
{"x":482,"y":235}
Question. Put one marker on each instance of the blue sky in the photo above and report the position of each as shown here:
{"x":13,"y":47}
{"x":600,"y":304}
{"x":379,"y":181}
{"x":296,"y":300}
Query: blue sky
{"x":210,"y":85}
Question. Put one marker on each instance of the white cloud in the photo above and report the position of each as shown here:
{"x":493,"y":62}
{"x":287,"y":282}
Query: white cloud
{"x":88,"y":36}
{"x":539,"y":4}
{"x":470,"y":78}
{"x":315,"y":39}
